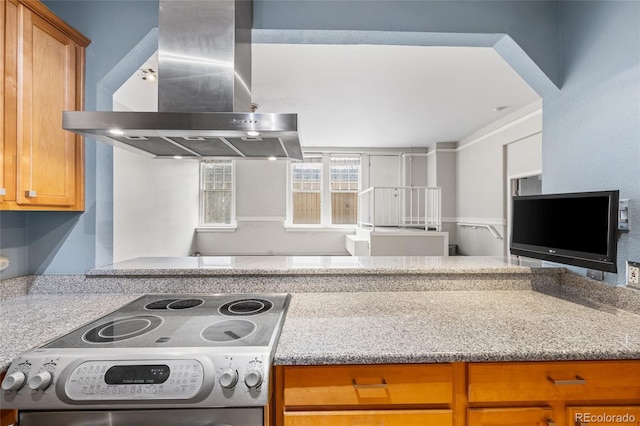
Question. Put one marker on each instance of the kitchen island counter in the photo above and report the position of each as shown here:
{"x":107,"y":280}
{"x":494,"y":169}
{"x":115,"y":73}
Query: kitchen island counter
{"x":320,"y":265}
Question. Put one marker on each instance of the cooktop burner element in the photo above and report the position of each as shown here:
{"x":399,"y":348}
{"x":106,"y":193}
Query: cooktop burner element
{"x":174,"y":304}
{"x":245,"y":307}
{"x":122,"y":329}
{"x":176,"y":350}
{"x":226,"y":331}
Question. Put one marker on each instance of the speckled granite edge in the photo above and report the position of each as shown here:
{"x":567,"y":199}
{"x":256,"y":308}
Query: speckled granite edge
{"x":12,"y":287}
{"x":620,"y":297}
{"x":429,"y":358}
{"x":204,"y":272}
{"x":320,"y":265}
{"x":61,"y":284}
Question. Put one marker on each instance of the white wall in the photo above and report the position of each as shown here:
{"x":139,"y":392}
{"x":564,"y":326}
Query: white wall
{"x":155,"y":202}
{"x":441,"y":172}
{"x":261,"y":200}
{"x":486,"y":160}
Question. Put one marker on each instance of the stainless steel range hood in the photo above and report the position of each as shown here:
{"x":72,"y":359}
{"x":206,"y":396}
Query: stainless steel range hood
{"x":204,"y":92}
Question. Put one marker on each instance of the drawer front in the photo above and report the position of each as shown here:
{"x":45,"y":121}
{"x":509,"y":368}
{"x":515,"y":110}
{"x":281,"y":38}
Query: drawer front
{"x":554,"y":381}
{"x":370,"y":418}
{"x":531,"y":416}
{"x":367,"y":385}
{"x":603,"y":416}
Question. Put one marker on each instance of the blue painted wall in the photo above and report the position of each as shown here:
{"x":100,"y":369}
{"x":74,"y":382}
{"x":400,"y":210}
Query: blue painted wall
{"x":72,"y":243}
{"x":591,"y":128}
{"x":532,"y":24}
{"x":62,"y":243}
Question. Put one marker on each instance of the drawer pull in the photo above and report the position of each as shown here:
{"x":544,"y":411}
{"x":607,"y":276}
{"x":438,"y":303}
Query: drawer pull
{"x":550,"y":422}
{"x":382,"y":385}
{"x":577,"y":381}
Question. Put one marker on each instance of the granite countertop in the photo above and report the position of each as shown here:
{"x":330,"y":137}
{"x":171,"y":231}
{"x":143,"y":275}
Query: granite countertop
{"x":320,"y":265}
{"x":381,"y":327}
{"x":447,"y":326}
{"x":31,"y":320}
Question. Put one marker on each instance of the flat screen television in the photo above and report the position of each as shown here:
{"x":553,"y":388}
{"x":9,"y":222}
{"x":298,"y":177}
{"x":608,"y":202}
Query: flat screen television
{"x":579,"y":229}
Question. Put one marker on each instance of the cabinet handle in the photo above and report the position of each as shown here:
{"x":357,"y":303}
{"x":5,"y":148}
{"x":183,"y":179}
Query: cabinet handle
{"x":30,"y":193}
{"x":550,"y":422}
{"x":577,"y":381}
{"x":382,"y":385}
{"x":3,"y":191}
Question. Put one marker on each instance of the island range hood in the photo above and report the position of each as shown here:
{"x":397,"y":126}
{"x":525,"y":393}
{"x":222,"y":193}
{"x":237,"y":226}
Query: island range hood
{"x":204,"y":92}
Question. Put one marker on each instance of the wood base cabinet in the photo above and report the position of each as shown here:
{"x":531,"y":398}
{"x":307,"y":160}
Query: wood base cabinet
{"x":603,"y":416}
{"x":567,"y":393}
{"x":371,"y":418}
{"x":535,"y":416}
{"x":365,"y":395}
{"x":42,"y":165}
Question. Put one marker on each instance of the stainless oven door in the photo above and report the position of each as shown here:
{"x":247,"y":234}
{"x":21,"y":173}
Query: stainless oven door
{"x":192,"y":417}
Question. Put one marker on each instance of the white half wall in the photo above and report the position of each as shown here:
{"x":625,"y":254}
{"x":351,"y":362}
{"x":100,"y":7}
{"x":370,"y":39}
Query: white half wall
{"x":262,"y":237}
{"x":485,"y":162}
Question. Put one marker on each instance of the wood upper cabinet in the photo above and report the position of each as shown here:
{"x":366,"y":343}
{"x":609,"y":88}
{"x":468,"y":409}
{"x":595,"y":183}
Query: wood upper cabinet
{"x":43,"y":68}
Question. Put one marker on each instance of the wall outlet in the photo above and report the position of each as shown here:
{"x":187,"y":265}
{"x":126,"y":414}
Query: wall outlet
{"x":633,"y":272}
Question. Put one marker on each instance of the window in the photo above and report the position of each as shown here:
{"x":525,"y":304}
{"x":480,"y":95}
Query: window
{"x":324,"y":190}
{"x":306,"y":185}
{"x":345,"y":178}
{"x":217,"y":193}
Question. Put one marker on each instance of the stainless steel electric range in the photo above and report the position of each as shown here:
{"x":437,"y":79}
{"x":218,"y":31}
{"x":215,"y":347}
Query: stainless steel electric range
{"x":160,"y":360}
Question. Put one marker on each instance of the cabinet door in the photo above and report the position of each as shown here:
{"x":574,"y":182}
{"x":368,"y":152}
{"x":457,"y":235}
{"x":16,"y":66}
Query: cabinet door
{"x":370,"y":418}
{"x":46,"y":153}
{"x":8,"y":112}
{"x":533,"y":416}
{"x":367,"y":385}
{"x":603,"y":416}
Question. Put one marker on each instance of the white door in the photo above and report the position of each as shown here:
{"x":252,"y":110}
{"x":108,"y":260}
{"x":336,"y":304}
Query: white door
{"x":384,"y":172}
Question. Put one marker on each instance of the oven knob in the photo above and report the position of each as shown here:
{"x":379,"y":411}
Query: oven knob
{"x":42,"y":380}
{"x":14,"y":381}
{"x":229,"y":378}
{"x":253,"y":377}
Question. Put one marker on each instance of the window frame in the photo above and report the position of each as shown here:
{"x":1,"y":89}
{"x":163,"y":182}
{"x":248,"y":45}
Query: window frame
{"x":325,"y":190}
{"x":212,"y":226}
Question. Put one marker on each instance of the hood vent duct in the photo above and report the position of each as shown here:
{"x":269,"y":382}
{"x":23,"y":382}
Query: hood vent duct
{"x":204,"y":92}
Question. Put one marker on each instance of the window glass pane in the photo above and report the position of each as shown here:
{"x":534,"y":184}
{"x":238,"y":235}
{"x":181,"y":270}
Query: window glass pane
{"x":345,"y":174}
{"x":306,"y":185}
{"x":217,"y":196}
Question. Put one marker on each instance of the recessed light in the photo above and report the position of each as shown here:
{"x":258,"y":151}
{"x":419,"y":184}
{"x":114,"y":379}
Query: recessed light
{"x":116,"y":132}
{"x":272,"y":158}
{"x":253,"y":133}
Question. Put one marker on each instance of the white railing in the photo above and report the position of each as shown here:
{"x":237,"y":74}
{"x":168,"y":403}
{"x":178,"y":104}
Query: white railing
{"x":400,"y":206}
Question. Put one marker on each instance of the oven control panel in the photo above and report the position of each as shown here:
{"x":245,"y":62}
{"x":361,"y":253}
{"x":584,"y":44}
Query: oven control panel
{"x":135,"y":380}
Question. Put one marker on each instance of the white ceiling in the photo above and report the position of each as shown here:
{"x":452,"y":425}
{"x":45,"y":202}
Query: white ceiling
{"x":374,"y":96}
{"x":385,"y":96}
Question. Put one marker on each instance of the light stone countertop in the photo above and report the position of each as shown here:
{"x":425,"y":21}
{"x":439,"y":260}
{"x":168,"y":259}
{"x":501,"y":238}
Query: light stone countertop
{"x":447,"y":326}
{"x":381,"y":327}
{"x":320,"y":265}
{"x":32,"y":320}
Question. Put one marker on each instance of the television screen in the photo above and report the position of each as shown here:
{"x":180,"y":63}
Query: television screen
{"x":577,"y":229}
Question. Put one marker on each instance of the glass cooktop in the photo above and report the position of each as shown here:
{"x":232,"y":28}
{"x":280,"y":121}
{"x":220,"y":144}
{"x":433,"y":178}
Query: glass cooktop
{"x":220,"y":320}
